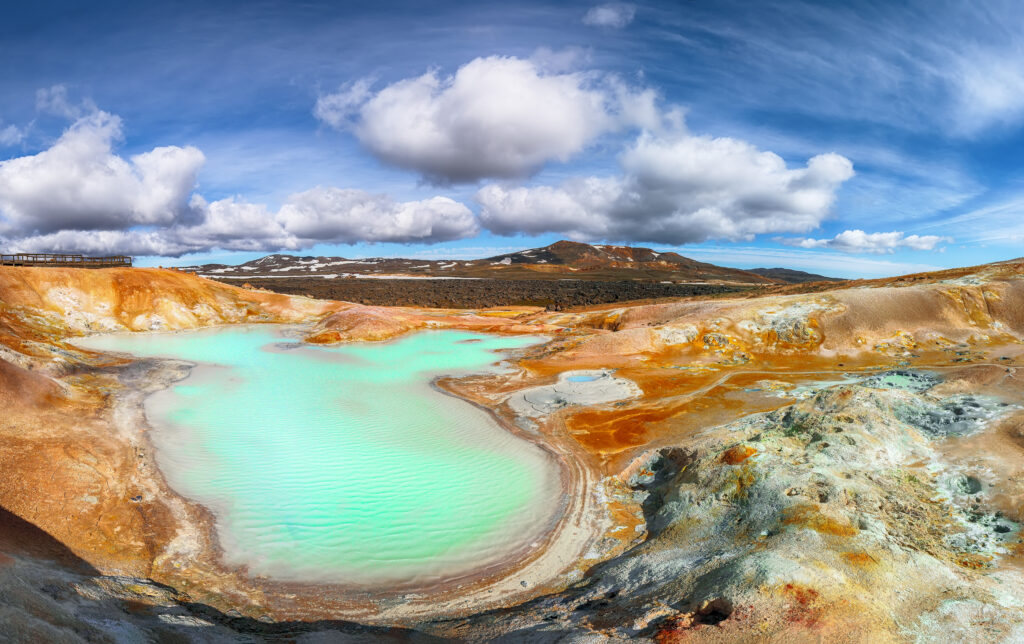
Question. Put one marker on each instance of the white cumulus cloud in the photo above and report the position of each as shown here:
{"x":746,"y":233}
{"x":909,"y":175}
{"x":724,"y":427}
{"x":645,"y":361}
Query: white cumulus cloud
{"x":676,"y":188}
{"x":319,"y":215}
{"x":80,"y":196}
{"x":615,"y":15}
{"x":349,"y":216}
{"x":233,"y":224}
{"x":79,"y":183}
{"x":858,"y":241}
{"x":500,"y":117}
{"x":101,"y":242}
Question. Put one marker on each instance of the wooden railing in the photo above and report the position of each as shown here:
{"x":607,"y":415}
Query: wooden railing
{"x":77,"y":261}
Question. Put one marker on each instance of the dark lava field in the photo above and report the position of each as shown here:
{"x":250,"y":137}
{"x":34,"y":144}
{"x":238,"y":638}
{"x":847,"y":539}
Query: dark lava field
{"x":480,"y":293}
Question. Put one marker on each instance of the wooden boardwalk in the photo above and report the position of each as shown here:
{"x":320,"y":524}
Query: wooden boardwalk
{"x":75,"y":261}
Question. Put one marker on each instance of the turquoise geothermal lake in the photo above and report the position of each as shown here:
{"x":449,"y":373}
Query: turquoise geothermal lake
{"x":343,"y":464}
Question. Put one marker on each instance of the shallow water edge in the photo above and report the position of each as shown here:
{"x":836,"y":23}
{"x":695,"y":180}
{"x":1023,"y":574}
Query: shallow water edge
{"x":535,"y":555}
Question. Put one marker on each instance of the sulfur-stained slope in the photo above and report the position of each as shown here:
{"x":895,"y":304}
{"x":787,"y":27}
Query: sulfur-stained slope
{"x":838,"y":464}
{"x":841,"y":322}
{"x":141,"y":299}
{"x":375,"y":323}
{"x":829,"y":466}
{"x":75,"y":461}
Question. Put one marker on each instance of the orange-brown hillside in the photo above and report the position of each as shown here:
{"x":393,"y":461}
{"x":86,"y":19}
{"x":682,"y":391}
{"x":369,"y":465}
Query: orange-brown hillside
{"x":768,"y":474}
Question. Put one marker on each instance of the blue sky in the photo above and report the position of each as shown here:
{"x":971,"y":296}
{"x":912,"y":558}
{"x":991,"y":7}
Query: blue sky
{"x":857,"y":139}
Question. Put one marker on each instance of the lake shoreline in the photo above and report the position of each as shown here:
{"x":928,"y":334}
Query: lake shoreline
{"x":572,"y":530}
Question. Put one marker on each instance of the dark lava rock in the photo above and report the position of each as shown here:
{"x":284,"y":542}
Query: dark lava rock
{"x":481,"y":293}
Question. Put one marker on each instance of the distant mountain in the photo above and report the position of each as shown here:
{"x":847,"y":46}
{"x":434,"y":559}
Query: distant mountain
{"x":601,"y":261}
{"x":791,"y":276}
{"x":579,"y":255}
{"x":561,"y":260}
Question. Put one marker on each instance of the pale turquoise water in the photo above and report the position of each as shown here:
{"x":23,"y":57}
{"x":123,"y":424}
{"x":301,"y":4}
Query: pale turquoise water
{"x":343,"y":464}
{"x":581,"y":378}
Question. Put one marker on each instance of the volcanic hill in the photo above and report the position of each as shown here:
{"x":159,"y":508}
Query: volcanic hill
{"x":560,"y":260}
{"x":558,"y":276}
{"x":791,"y":276}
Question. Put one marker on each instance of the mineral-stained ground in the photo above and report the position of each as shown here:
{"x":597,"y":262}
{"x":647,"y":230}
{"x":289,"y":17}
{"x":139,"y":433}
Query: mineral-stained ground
{"x":822,"y":463}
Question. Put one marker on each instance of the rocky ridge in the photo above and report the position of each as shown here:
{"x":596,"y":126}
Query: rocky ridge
{"x":561,"y":260}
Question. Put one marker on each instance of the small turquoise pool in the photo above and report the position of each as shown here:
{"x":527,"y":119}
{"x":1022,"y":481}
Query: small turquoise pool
{"x":581,"y":378}
{"x":343,"y":464}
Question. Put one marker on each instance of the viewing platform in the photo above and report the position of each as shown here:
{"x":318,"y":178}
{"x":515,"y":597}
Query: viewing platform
{"x":74,"y":261}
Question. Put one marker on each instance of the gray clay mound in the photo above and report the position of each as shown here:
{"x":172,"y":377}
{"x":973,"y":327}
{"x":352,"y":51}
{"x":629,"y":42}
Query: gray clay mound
{"x":573,"y":388}
{"x":916,"y":381}
{"x":954,"y":416}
